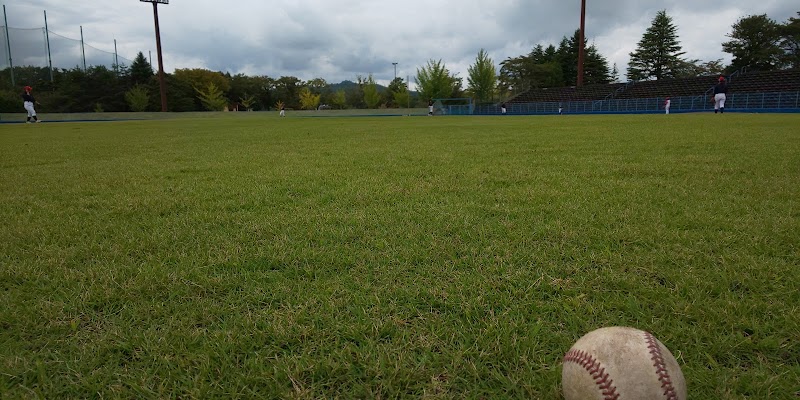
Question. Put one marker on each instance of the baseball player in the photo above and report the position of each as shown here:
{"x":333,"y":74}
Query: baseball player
{"x":430,"y":108}
{"x":667,"y":103}
{"x":720,"y":92}
{"x":503,"y":108}
{"x":28,"y":102}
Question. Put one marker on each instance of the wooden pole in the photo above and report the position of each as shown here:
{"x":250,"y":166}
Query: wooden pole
{"x":580,"y":43}
{"x":161,"y":81}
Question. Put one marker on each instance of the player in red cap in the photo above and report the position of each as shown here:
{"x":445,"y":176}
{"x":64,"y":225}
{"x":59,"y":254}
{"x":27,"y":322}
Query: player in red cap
{"x":720,"y":92}
{"x":28,"y":102}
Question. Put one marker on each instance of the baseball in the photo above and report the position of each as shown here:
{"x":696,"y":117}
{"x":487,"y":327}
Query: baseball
{"x":619,"y":363}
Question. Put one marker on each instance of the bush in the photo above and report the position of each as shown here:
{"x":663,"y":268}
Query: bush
{"x":138,"y":98}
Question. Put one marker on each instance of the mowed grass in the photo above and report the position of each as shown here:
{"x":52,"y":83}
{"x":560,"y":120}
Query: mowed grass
{"x":394,"y":257}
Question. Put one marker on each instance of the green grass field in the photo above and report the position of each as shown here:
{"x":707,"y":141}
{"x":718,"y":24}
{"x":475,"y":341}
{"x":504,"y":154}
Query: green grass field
{"x":413,"y":257}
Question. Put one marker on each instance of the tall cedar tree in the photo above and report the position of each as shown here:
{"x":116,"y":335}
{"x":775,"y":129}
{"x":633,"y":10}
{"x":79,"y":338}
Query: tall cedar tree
{"x":595,"y":66}
{"x":658,"y":54}
{"x":141,"y":71}
{"x":755,"y":44}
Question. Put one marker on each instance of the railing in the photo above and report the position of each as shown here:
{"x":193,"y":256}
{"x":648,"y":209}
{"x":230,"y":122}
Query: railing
{"x":768,"y":101}
{"x":620,"y":90}
{"x":731,"y":77}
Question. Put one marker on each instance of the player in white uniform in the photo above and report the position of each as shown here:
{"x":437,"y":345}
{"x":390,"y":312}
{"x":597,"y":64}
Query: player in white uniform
{"x":28,"y":101}
{"x":720,"y":94}
{"x":667,"y":103}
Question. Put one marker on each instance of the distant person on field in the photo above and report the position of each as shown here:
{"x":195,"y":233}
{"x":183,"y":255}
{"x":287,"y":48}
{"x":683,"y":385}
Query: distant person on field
{"x":503,"y":108}
{"x":283,"y":111}
{"x":720,"y":92}
{"x":667,"y":103}
{"x":560,"y":109}
{"x":28,"y":101}
{"x":430,"y":107}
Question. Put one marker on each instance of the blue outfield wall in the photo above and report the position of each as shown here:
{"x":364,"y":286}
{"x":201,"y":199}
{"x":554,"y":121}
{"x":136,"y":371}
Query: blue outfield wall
{"x":772,"y":102}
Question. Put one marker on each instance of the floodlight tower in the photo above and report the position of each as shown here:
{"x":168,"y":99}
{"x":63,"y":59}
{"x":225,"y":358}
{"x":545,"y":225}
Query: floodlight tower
{"x":395,"y":70}
{"x":161,"y":82}
{"x":580,"y":43}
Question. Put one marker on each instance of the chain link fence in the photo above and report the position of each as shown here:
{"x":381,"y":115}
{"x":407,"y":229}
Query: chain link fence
{"x":741,"y":102}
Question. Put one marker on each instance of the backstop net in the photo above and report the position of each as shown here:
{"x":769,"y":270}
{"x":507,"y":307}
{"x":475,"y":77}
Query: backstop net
{"x":29,"y":48}
{"x":453,"y":106}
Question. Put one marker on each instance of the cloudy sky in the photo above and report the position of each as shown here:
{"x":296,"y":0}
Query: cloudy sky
{"x":341,"y":39}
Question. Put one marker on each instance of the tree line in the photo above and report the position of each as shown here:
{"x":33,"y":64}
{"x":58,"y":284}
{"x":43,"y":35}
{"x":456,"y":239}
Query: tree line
{"x":756,"y":42}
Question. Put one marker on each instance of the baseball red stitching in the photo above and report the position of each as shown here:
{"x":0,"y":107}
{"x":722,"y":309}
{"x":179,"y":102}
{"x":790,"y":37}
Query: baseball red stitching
{"x":661,"y":367}
{"x":592,"y":366}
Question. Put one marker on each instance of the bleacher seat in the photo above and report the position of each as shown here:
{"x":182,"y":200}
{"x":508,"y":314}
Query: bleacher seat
{"x":749,"y":82}
{"x":766,"y":81}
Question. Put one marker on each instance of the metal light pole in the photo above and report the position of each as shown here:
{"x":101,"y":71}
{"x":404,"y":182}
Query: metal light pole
{"x":8,"y":40}
{"x":161,"y":82}
{"x":83,"y":51}
{"x":49,"y":56}
{"x":580,"y":43}
{"x":395,"y":70}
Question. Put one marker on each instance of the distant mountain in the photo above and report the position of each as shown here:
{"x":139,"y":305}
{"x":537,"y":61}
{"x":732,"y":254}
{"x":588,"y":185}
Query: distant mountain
{"x":346,"y":85}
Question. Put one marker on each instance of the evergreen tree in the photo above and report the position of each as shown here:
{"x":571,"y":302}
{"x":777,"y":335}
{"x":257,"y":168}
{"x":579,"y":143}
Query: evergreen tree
{"x":247,"y":100}
{"x":212,"y":97}
{"x":546,"y":75}
{"x":550,"y":54}
{"x":658,"y":54}
{"x":537,"y":55}
{"x":595,"y":67}
{"x":553,"y":67}
{"x":614,"y":74}
{"x":567,"y":54}
{"x":539,"y":69}
{"x":140,"y":70}
{"x":754,"y":43}
{"x":138,"y":98}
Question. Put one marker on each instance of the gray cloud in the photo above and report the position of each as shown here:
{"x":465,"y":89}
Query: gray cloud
{"x":339,"y":40}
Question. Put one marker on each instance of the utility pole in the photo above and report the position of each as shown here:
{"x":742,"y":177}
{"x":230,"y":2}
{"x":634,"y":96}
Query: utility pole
{"x":395,"y":70}
{"x":161,"y":82}
{"x":580,"y":43}
{"x":10,"y":61}
{"x":49,"y":57}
